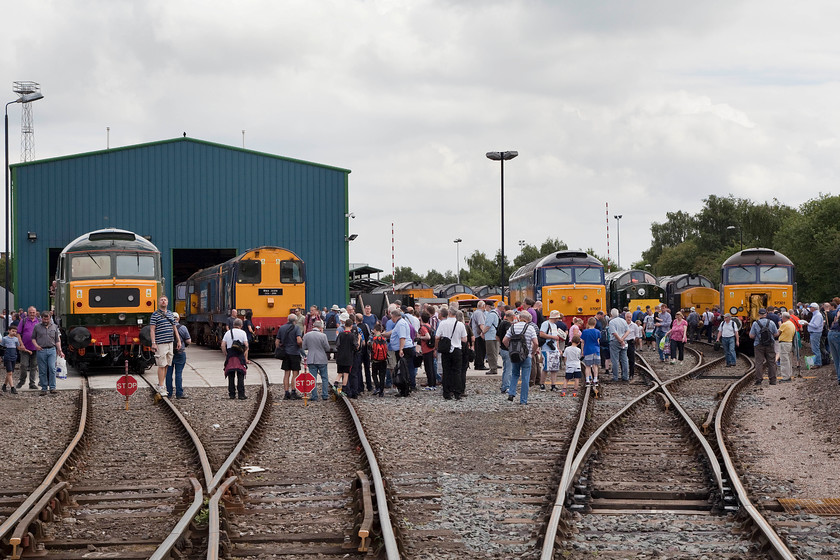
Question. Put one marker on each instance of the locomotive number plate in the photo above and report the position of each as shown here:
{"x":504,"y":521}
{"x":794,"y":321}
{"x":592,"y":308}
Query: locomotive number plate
{"x":270,"y":291}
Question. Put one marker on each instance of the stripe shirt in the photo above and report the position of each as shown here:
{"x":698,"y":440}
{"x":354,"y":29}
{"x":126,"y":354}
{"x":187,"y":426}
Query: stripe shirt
{"x":164,"y":324}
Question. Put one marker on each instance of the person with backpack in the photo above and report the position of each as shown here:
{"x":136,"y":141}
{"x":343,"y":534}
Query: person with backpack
{"x":235,"y":347}
{"x":451,"y":337}
{"x":764,"y":333}
{"x":331,"y":320}
{"x":727,"y":335}
{"x":404,"y":342}
{"x":507,"y":320}
{"x":287,"y":345}
{"x":521,"y":342}
{"x":378,"y":358}
{"x":427,"y":347}
{"x":345,"y":349}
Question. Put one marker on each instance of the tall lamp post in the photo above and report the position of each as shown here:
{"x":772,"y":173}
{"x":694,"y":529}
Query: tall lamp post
{"x":458,"y":258}
{"x":740,"y":234}
{"x":618,"y":239}
{"x":501,"y":157}
{"x":24,"y":98}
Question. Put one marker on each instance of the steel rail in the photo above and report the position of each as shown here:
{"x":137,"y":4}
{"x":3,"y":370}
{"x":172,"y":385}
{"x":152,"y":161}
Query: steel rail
{"x":162,"y":551}
{"x":586,"y":450}
{"x":216,"y":479}
{"x":566,"y":476}
{"x":214,"y":519}
{"x":569,"y":472}
{"x":388,"y":537}
{"x":778,"y":548}
{"x":36,"y":494}
{"x":207,"y":472}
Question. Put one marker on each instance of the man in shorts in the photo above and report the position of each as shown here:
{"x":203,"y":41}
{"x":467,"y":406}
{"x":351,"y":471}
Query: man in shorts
{"x":165,"y":340}
{"x":290,"y":339}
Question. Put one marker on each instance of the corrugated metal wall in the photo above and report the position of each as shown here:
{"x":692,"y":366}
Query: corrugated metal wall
{"x":185,"y":193}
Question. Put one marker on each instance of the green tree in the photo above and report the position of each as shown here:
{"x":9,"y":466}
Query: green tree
{"x":403,"y":274}
{"x":530,"y":253}
{"x":810,"y":239}
{"x":433,"y":277}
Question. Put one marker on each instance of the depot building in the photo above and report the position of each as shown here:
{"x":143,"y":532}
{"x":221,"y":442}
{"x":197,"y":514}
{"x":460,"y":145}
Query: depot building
{"x":199,"y":202}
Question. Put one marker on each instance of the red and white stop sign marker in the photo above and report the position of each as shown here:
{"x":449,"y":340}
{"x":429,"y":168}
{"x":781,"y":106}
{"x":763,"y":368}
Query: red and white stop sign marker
{"x":127,"y":385}
{"x":305,"y":382}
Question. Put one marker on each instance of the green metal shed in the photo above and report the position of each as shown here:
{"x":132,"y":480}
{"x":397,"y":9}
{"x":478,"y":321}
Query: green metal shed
{"x":199,"y":202}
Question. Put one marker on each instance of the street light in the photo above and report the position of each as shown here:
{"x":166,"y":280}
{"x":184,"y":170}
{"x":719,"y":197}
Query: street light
{"x":618,"y":240}
{"x":458,"y":258}
{"x":24,"y":98}
{"x":521,"y":245}
{"x":501,"y":157}
{"x":740,"y":234}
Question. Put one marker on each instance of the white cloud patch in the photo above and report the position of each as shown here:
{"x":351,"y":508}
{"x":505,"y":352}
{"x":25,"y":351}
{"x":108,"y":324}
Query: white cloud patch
{"x":651,"y":107}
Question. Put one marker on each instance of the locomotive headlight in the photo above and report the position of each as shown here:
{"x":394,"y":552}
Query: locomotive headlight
{"x":641,"y":291}
{"x":139,"y":321}
{"x":98,"y":298}
{"x":121,"y":316}
{"x":733,"y":310}
{"x":130,"y":298}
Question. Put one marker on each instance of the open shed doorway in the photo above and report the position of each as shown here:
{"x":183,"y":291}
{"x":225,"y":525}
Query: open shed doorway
{"x":186,"y":262}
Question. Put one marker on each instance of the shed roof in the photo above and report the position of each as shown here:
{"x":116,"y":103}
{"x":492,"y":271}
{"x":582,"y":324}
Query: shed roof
{"x":172,"y":140}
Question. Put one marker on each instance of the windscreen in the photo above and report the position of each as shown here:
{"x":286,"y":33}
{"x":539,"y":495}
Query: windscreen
{"x":742,"y":274}
{"x":774,"y":274}
{"x":291,"y":272}
{"x":135,"y":266}
{"x":90,"y":266}
{"x":589,"y":275}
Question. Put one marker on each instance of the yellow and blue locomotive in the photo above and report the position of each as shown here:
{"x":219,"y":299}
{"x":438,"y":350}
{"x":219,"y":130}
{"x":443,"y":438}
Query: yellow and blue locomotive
{"x":756,"y":278}
{"x":107,"y":286}
{"x":571,"y":282}
{"x":267,"y":283}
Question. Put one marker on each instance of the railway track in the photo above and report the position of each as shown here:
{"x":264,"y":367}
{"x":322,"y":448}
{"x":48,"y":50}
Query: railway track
{"x":311,"y":486}
{"x":472,"y":478}
{"x":117,"y":491}
{"x":808,"y":526}
{"x":648,"y":480}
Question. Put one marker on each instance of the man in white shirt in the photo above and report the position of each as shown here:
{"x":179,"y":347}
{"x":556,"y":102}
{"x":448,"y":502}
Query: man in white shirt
{"x":618,"y":331}
{"x":454,"y":381}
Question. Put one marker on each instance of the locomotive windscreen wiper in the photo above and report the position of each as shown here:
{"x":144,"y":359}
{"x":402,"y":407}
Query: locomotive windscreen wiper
{"x":94,"y":261}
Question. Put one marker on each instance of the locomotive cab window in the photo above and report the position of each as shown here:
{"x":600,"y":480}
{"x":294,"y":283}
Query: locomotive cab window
{"x":774,"y":274}
{"x":291,"y":272}
{"x":741,"y":275}
{"x":90,"y":266}
{"x":558,"y":275}
{"x":589,"y":275}
{"x":135,"y":266}
{"x":250,"y":272}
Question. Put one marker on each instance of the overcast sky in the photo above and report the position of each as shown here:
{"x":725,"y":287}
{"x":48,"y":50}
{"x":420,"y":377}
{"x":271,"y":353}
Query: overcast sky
{"x":650,"y":106}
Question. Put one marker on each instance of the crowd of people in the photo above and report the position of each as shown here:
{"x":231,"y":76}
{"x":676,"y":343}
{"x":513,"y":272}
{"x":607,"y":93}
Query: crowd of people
{"x":376,"y":353}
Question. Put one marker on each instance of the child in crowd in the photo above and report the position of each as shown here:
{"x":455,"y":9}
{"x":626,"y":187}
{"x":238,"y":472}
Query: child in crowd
{"x":379,"y":358}
{"x":591,"y":338}
{"x":11,"y":343}
{"x":572,"y":355}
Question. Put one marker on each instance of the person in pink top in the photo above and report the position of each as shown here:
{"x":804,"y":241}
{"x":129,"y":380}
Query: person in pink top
{"x":679,"y":328}
{"x":574,"y":330}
